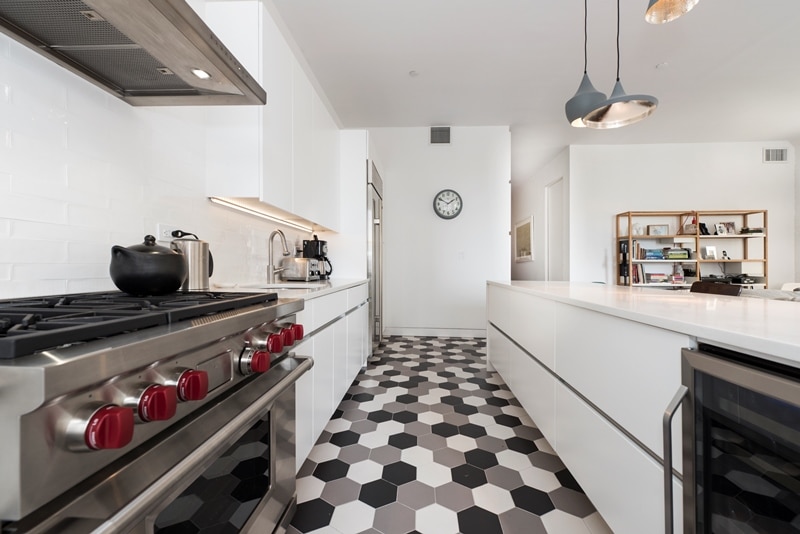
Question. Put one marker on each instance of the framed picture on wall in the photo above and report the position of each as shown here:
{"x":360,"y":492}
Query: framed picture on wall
{"x":523,"y":240}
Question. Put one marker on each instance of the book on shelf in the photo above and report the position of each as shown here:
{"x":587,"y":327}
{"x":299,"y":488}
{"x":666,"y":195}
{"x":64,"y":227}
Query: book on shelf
{"x":657,"y":278}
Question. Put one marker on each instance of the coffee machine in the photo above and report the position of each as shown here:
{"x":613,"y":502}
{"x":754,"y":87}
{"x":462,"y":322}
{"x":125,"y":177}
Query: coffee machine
{"x":314,"y":248}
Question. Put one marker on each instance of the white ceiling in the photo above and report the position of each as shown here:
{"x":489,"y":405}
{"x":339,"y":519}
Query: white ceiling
{"x":727,"y":71}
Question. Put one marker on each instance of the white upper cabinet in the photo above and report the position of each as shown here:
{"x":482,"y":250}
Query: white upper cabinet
{"x":284,"y":154}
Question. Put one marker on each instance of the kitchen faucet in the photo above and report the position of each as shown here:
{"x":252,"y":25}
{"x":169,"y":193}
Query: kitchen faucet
{"x":271,"y":270}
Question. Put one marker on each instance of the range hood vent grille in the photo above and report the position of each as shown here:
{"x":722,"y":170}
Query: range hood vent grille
{"x":776,"y":155}
{"x":141,"y":51}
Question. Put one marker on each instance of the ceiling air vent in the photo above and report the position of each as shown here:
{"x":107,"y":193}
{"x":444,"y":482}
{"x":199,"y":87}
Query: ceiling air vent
{"x":440,"y":135}
{"x":776,"y":155}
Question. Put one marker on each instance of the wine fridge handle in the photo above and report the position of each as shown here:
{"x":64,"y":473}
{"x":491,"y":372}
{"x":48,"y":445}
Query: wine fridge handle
{"x":669,"y":413}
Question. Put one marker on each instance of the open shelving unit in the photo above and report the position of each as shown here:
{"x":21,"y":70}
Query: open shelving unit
{"x":672,"y":249}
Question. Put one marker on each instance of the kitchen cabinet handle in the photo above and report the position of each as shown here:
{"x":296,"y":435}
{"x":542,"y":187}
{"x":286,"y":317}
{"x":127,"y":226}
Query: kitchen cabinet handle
{"x":669,"y":413}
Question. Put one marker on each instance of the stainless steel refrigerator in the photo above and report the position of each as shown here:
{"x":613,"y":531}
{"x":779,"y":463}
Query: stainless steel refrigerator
{"x":375,"y":253}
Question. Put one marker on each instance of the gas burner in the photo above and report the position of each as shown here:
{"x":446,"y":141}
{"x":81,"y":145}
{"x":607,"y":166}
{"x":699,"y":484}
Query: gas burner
{"x":33,"y":324}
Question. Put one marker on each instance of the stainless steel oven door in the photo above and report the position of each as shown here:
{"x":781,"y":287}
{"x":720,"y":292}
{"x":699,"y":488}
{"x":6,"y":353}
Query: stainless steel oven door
{"x":129,"y":495}
{"x":741,"y":444}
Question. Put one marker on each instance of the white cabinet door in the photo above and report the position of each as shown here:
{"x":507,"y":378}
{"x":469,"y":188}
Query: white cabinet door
{"x":325,"y":146}
{"x":533,"y":386}
{"x":340,"y":377}
{"x":624,"y":483}
{"x":324,"y":367}
{"x":303,"y":190}
{"x":276,"y":117}
{"x":304,"y":406}
{"x":627,"y":369}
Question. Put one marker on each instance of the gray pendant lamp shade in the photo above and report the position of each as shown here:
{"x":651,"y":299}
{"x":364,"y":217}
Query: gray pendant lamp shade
{"x":587,"y":98}
{"x":661,"y":11}
{"x":620,"y":109}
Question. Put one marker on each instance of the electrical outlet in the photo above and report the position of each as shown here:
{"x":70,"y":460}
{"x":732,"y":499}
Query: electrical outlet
{"x":164,"y":232}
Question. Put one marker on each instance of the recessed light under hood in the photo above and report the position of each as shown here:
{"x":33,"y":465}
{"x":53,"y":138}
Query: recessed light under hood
{"x":142,"y":51}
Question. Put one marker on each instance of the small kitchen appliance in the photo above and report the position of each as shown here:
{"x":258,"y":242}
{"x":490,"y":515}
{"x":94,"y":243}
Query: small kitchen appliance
{"x":147,"y":268}
{"x":316,"y":249}
{"x":134,"y":414}
{"x":300,"y":269}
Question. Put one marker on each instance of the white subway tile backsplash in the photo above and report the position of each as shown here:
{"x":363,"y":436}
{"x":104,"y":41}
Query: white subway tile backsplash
{"x":19,"y":251}
{"x":81,"y":171}
{"x":32,"y":208}
{"x":59,"y":271}
{"x":20,"y":288}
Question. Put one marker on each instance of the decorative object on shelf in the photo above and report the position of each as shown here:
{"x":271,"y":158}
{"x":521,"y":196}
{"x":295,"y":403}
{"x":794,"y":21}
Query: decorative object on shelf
{"x":663,"y":11}
{"x":710,"y":253}
{"x":720,"y":229}
{"x":725,"y":255}
{"x":730,"y":228}
{"x":587,"y":98}
{"x":447,"y":204}
{"x":704,"y":229}
{"x":620,"y":109}
{"x":523,"y":240}
{"x":657,"y":229}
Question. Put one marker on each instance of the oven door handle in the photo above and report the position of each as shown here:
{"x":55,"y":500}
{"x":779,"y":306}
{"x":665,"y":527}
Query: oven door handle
{"x":666,"y":422}
{"x":194,"y":463}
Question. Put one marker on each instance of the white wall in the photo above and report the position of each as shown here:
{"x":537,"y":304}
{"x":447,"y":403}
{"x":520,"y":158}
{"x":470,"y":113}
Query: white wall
{"x":435,"y":270}
{"x":81,"y":171}
{"x":605,"y":180}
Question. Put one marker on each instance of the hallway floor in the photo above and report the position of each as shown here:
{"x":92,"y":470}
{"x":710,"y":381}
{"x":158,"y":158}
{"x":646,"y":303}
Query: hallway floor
{"x":428,"y":440}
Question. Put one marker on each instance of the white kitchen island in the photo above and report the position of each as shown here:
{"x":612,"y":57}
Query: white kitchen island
{"x":595,"y":366}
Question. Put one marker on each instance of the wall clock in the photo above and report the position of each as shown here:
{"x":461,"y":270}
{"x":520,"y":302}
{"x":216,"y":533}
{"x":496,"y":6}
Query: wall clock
{"x":447,"y":204}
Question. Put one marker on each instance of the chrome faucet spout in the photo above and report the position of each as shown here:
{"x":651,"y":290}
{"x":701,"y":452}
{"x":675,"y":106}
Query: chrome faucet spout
{"x":271,"y":270}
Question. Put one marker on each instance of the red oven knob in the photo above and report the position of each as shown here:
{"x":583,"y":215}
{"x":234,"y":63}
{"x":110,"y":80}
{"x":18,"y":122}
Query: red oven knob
{"x":287,"y":334}
{"x":110,"y":427}
{"x":157,"y":403}
{"x":298,"y":331}
{"x":254,"y":361}
{"x":192,"y":385}
{"x":274,"y":343}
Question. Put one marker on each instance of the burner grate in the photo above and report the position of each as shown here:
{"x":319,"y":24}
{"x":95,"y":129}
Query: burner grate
{"x":34,"y":324}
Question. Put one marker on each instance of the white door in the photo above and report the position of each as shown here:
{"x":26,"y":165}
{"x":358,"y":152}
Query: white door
{"x":556,"y":240}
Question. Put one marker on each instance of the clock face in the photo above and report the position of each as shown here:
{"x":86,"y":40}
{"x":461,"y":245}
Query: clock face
{"x":447,"y":204}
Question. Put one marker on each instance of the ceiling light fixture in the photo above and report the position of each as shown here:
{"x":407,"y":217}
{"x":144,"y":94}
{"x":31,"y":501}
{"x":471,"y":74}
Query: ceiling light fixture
{"x":587,"y":98}
{"x":620,"y":109}
{"x":661,"y":11}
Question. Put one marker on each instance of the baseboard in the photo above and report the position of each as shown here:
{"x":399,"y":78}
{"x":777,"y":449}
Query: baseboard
{"x":435,"y":332}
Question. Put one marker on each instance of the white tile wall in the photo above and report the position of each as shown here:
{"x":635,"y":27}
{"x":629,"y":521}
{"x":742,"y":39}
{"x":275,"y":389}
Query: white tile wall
{"x":81,"y":171}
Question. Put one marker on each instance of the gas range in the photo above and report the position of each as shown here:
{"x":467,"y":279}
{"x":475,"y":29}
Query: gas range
{"x":90,"y":382}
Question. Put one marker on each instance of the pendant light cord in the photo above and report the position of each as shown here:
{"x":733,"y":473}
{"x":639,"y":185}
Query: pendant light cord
{"x":585,"y":35}
{"x":617,"y":40}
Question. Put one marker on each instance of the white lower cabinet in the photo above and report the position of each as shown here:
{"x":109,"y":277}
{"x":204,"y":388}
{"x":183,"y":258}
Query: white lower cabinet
{"x":596,"y":386}
{"x":623,"y":482}
{"x":337,"y":337}
{"x":533,"y":386}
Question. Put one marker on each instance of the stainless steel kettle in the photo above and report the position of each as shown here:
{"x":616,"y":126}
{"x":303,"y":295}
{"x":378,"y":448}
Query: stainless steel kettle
{"x":199,"y":261}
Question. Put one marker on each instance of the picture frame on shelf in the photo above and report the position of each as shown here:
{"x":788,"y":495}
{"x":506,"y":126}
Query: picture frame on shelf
{"x":730,"y":228}
{"x":657,"y":229}
{"x":710,"y":253}
{"x":720,"y":228}
{"x":523,"y":240}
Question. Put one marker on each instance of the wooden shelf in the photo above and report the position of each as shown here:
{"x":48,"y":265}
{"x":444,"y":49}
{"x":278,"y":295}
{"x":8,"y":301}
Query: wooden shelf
{"x":633,"y":237}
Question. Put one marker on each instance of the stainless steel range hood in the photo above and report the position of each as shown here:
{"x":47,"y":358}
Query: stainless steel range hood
{"x":142,"y":51}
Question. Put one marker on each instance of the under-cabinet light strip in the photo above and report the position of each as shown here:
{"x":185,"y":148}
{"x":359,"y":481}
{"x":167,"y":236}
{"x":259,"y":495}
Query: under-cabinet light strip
{"x":251,"y":211}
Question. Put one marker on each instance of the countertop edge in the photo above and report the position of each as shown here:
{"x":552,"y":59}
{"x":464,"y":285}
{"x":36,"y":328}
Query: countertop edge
{"x":759,"y":327}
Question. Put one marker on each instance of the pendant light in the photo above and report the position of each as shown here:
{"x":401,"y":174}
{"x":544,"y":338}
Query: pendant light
{"x":620,"y":109}
{"x":587,"y":98}
{"x":661,"y":11}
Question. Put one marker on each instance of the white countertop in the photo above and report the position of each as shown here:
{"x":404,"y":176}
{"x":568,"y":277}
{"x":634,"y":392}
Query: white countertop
{"x":290,"y":290}
{"x":761,"y":327}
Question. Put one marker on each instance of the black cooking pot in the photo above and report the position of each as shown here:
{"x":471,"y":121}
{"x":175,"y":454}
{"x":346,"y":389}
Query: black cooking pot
{"x":147,"y":269}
